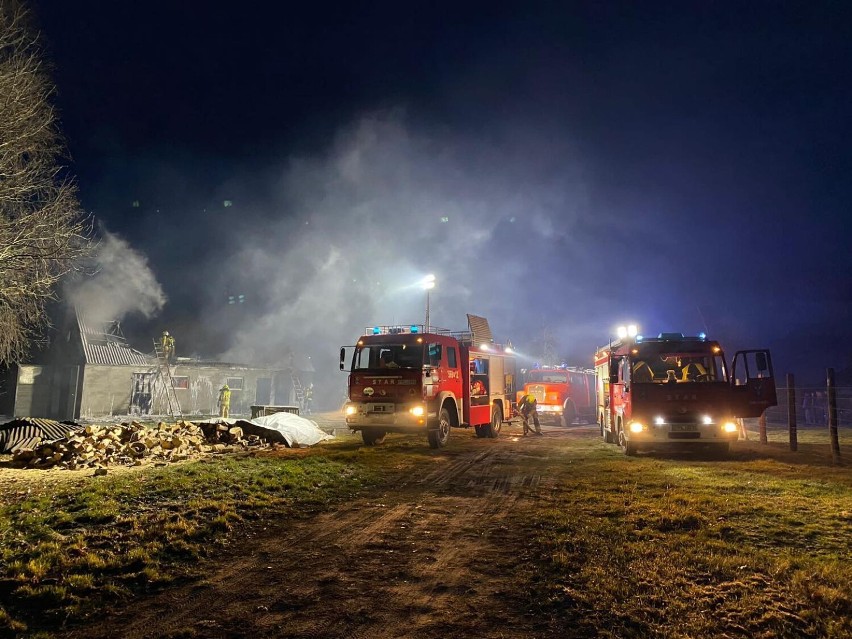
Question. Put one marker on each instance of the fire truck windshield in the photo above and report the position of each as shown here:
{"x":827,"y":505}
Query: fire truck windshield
{"x":379,"y":356}
{"x":676,"y":368}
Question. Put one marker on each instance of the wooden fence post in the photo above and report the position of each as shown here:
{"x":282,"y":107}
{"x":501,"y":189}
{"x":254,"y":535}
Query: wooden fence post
{"x":791,"y":411}
{"x":761,"y":423}
{"x":832,"y":416}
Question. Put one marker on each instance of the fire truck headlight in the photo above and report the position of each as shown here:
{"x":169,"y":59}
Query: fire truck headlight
{"x":730,"y":427}
{"x":351,"y":410}
{"x":636,"y":427}
{"x":659,"y":420}
{"x":417,"y":411}
{"x":707,"y":419}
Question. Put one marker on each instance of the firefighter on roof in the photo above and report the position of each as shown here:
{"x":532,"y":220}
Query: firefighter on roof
{"x":224,"y":401}
{"x":168,"y":344}
{"x":528,"y":407}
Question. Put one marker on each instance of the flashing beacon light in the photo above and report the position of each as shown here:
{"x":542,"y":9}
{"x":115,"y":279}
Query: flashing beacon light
{"x":702,"y":336}
{"x":639,"y":338}
{"x":376,"y":330}
{"x":414,"y":328}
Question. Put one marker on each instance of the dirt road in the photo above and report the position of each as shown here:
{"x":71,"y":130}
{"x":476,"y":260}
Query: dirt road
{"x":435,"y":557}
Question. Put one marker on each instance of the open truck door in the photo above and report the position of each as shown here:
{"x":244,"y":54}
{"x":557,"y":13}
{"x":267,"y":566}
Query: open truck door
{"x":752,"y":383}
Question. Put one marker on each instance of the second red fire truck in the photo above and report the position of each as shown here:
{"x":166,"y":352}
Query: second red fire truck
{"x":406,"y":379}
{"x":673,"y":389}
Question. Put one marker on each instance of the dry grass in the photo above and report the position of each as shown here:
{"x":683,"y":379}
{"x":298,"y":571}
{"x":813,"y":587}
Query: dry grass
{"x":661,"y":546}
{"x":69,"y":547}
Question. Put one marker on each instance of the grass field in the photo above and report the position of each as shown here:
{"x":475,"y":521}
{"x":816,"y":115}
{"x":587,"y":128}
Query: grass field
{"x":68,"y":546}
{"x":758,"y":545}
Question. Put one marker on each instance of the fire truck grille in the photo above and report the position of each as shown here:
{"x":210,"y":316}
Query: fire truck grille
{"x":539,"y":393}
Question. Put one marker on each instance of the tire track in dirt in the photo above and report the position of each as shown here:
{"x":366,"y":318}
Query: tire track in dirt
{"x":415,"y":561}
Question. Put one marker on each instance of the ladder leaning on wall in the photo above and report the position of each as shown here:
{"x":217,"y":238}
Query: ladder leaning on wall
{"x":165,"y":374}
{"x":298,"y":389}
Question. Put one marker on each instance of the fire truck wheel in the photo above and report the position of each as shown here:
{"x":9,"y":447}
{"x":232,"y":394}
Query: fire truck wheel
{"x":496,"y":422}
{"x":372,"y":436}
{"x":438,"y":436}
{"x":607,"y":436}
{"x":569,"y":414}
{"x":481,"y":431}
{"x":628,"y":447}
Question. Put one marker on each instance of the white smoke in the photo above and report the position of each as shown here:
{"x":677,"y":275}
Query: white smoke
{"x":121,"y":283}
{"x":364,"y":224}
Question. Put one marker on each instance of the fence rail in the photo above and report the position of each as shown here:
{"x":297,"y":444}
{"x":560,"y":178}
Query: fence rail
{"x":812,"y":406}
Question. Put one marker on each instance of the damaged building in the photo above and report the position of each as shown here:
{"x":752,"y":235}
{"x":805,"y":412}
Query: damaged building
{"x":89,"y":370}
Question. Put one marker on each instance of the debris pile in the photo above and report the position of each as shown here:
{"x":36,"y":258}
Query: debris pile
{"x":131,"y":444}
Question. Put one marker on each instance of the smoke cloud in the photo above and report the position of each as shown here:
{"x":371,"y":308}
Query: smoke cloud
{"x":385,"y":207}
{"x":122,"y":283}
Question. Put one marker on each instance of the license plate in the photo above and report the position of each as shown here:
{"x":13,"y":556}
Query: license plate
{"x":684,"y":428}
{"x":382,"y":409}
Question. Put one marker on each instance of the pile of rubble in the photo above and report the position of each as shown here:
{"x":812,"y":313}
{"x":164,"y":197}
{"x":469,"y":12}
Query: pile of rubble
{"x":131,"y":444}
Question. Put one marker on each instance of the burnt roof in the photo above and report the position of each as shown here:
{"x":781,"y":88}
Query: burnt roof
{"x":104,"y":343}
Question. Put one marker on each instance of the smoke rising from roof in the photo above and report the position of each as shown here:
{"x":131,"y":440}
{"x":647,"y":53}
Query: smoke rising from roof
{"x":122,"y":283}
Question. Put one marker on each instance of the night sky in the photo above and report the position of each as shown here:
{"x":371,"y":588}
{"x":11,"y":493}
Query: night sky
{"x":561,"y":168}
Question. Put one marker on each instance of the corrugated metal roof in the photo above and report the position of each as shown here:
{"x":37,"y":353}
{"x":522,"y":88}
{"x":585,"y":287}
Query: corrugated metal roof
{"x":28,"y":432}
{"x":104,"y":344}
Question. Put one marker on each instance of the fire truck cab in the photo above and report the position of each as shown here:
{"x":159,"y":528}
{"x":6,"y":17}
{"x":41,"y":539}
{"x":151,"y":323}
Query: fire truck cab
{"x":672,"y":389}
{"x":405,"y":379}
{"x":562,"y":393}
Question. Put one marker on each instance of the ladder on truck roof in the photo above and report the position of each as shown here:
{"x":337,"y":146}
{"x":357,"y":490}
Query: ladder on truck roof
{"x":165,"y":374}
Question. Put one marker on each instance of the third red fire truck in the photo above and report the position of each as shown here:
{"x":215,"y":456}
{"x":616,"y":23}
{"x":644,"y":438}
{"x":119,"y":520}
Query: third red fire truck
{"x":673,"y":389}
{"x":562,"y":393}
{"x":406,"y":379}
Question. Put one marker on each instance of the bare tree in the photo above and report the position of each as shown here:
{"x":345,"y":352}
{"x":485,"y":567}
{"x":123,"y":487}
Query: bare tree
{"x":42,"y":230}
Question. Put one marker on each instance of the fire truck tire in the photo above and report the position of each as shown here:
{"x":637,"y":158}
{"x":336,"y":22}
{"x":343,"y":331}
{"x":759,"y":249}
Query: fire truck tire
{"x":481,"y":431}
{"x":569,"y":414}
{"x":371,"y":436}
{"x":439,"y":435}
{"x":496,"y":422}
{"x":607,"y":435}
{"x":627,"y":446}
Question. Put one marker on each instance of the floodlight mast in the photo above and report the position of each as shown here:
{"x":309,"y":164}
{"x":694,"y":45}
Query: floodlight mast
{"x":428,"y":283}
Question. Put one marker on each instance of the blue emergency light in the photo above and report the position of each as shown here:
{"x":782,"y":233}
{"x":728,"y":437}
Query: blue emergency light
{"x":414,"y":328}
{"x":376,"y":330}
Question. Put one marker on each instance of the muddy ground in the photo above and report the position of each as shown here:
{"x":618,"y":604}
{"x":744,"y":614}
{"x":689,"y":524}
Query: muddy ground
{"x":439,"y":556}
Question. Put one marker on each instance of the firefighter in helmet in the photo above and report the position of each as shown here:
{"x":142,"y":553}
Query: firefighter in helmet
{"x":528,"y":407}
{"x":167,"y":342}
{"x":309,"y":398}
{"x":224,"y":401}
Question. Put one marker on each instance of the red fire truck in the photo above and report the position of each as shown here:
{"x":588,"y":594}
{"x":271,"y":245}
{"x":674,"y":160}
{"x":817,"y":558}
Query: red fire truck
{"x":562,"y":393}
{"x":405,"y":379}
{"x":673,"y":389}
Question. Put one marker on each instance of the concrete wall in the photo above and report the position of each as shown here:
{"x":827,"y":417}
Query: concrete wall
{"x":50,"y":392}
{"x":106,"y":390}
{"x":204,"y":382}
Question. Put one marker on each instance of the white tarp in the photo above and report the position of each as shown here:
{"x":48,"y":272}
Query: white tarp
{"x":294,"y":430}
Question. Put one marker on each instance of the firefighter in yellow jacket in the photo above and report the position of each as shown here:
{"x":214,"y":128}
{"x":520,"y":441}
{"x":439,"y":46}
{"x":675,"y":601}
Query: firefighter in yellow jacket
{"x":528,"y":408}
{"x":168,"y":344}
{"x":224,"y":401}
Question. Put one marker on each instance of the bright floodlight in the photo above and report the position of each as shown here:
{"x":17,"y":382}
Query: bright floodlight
{"x":621,"y":331}
{"x":428,"y":282}
{"x":632,"y":330}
